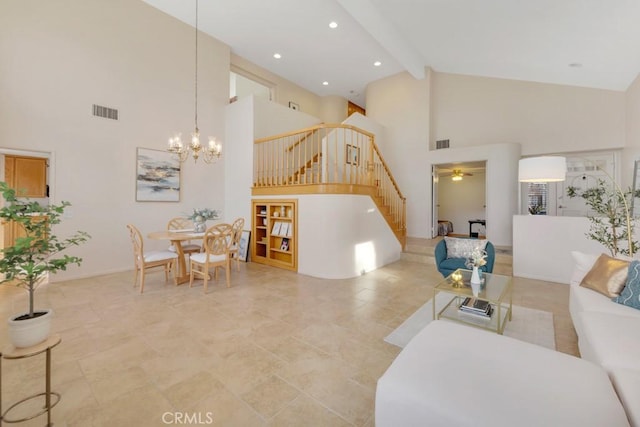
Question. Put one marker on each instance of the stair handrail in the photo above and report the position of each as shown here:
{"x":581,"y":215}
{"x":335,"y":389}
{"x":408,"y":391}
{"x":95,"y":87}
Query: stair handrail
{"x":387,"y":171}
{"x":322,"y":155}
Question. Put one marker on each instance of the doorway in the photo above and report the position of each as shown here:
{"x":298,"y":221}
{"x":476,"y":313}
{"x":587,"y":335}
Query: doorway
{"x":22,"y":168}
{"x":459,"y":199}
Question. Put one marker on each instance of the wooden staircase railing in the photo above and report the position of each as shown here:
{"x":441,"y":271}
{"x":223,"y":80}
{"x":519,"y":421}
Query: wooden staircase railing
{"x":329,"y":158}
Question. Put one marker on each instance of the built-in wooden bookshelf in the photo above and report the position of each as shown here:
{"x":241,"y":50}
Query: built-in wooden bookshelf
{"x":274,"y":228}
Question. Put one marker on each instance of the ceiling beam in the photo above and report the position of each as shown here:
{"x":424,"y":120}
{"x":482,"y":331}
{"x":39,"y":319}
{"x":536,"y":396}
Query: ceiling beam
{"x":385,"y":33}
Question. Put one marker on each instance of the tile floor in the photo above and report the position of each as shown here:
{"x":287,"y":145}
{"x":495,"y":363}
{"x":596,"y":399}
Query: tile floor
{"x":276,"y":349}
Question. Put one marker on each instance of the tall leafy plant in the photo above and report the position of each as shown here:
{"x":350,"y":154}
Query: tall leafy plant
{"x":39,"y":252}
{"x":612,"y":221}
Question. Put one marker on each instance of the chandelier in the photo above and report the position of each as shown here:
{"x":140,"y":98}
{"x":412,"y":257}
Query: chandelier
{"x":211,"y":152}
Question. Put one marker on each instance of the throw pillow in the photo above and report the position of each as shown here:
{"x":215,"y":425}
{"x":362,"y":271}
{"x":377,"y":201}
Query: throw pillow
{"x":462,"y":248}
{"x":630,"y":295}
{"x":607,"y":276}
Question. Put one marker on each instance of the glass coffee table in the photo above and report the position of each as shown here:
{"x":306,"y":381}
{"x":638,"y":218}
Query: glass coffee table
{"x":497,"y":290}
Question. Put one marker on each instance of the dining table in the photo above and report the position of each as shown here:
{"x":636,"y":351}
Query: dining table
{"x":176,"y":237}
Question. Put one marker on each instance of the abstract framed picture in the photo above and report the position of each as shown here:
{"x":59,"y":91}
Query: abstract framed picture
{"x":243,"y":245}
{"x":157,"y":176}
{"x":352,"y":155}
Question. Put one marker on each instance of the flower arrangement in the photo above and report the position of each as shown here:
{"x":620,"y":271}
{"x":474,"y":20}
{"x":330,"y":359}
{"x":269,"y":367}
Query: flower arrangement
{"x":201,"y":215}
{"x":478,"y":258}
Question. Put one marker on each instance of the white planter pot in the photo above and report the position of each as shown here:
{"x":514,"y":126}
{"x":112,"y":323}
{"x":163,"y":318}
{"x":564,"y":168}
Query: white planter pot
{"x":28,"y":332}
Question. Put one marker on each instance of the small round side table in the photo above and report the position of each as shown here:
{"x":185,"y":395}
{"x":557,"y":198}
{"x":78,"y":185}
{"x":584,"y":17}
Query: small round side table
{"x":22,"y":353}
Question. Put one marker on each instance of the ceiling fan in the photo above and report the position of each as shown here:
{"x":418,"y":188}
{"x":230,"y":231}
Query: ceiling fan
{"x":457,"y":174}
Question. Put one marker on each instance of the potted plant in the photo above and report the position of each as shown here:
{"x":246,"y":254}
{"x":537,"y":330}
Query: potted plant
{"x":32,"y":257}
{"x":612,"y":223}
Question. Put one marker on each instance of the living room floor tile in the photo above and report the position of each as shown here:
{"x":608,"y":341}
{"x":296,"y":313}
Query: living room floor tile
{"x":277,"y":348}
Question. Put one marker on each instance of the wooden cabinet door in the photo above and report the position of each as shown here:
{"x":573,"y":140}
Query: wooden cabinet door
{"x":27,"y":175}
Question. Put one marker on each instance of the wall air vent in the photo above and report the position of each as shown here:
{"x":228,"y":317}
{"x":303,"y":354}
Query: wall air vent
{"x":443,"y":143}
{"x":106,"y":112}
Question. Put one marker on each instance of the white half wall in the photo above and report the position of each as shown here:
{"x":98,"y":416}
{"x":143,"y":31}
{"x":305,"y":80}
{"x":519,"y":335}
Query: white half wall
{"x":342,"y":236}
{"x":542,"y":246}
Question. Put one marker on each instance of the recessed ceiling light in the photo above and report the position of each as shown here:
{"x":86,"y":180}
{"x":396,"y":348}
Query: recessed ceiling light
{"x":333,"y":24}
{"x":325,"y":83}
{"x":377,"y":64}
{"x":277,"y":55}
{"x":575,"y":65}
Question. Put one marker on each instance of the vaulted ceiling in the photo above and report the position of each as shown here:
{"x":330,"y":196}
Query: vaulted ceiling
{"x":590,"y":43}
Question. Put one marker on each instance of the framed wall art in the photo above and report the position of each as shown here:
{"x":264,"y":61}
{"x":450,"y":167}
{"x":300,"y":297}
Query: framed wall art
{"x":243,"y":245}
{"x":157,"y":176}
{"x":352,"y":155}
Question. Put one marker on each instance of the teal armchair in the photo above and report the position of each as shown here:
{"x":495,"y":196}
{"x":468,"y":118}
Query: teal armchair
{"x":446,"y":266}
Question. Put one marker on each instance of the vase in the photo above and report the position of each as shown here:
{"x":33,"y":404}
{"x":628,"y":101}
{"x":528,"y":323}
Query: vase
{"x":25,"y":331}
{"x":199,"y":224}
{"x":475,"y":281}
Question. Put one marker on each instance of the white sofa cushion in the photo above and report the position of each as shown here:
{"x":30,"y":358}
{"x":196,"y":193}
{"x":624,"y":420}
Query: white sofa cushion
{"x":627,"y":385}
{"x":456,"y":375}
{"x":610,"y":340}
{"x":584,"y":299}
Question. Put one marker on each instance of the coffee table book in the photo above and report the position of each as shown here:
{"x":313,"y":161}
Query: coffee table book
{"x":479,"y":314}
{"x":476,"y":306}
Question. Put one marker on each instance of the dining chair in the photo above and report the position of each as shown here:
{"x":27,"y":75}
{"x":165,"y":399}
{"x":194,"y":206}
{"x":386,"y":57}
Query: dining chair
{"x":236,"y":232}
{"x":180,"y":223}
{"x":147,"y":260}
{"x":216,"y":244}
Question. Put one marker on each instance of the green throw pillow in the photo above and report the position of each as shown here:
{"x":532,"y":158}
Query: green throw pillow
{"x":630,"y":295}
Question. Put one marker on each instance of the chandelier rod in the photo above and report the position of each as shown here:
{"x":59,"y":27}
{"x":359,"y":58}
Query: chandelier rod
{"x":196,"y":70}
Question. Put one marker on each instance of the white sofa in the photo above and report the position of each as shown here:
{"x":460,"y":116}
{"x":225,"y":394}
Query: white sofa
{"x":608,"y":335}
{"x":456,"y":375}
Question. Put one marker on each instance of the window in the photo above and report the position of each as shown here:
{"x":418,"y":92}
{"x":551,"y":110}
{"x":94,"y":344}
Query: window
{"x":242,"y":84}
{"x":537,"y":197}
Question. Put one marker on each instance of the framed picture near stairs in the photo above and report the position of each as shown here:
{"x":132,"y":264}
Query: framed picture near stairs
{"x":352,"y":155}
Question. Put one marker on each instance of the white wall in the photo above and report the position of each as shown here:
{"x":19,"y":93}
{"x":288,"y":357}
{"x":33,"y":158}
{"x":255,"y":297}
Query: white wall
{"x":475,"y":111}
{"x":460,"y":201}
{"x":286,"y":92}
{"x":401,"y":104}
{"x":333,"y":109}
{"x":246,"y":120}
{"x":122,"y":54}
{"x":501,"y":184}
{"x":371,"y":126}
{"x":632,"y":109}
{"x":271,"y":118}
{"x":238,"y":179}
{"x":342,"y":236}
{"x":543,"y":118}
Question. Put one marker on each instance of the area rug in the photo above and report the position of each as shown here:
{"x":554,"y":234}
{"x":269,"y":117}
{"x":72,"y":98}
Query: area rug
{"x":527,"y":324}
